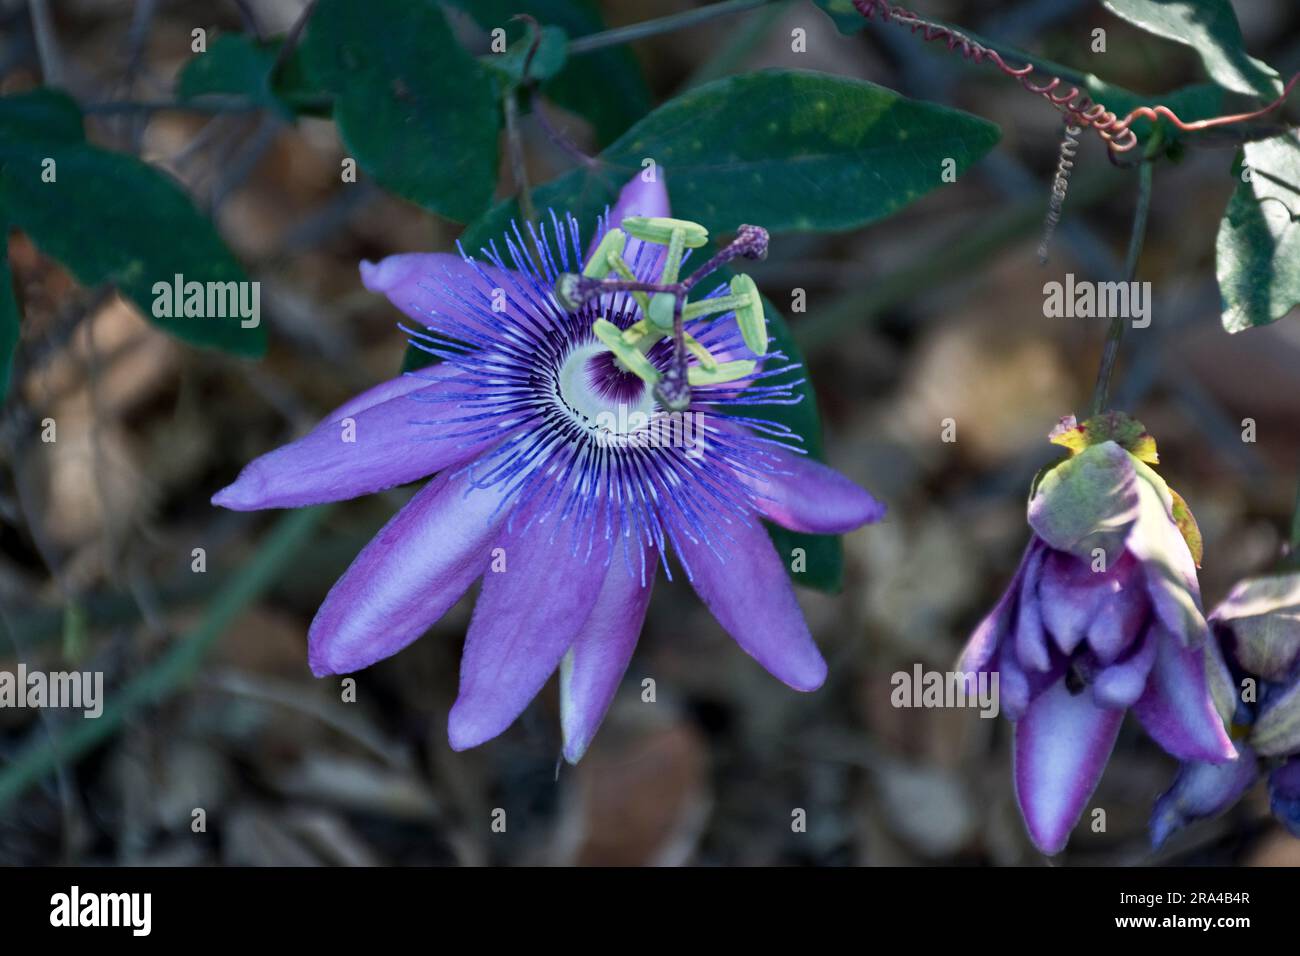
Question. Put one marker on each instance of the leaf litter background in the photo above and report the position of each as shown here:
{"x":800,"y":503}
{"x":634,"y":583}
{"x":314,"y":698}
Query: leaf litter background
{"x":933,"y":313}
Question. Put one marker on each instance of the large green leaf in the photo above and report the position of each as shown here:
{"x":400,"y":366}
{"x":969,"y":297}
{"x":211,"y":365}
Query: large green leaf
{"x":111,"y":218}
{"x":1210,"y":28}
{"x":1258,"y":248}
{"x":784,"y":149}
{"x":416,"y":110}
{"x":8,"y":314}
{"x":238,"y":65}
{"x":605,"y":86}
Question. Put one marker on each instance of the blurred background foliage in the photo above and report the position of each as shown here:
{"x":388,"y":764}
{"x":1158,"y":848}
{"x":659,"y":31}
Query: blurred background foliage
{"x":911,"y":304}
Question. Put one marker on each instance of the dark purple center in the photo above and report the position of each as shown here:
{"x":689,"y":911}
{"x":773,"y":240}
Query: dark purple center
{"x":611,"y":382}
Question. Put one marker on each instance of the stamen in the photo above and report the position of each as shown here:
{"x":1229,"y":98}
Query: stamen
{"x":664,"y":305}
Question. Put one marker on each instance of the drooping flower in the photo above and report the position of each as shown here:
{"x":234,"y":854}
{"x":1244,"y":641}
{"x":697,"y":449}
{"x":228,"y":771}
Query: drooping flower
{"x":560,"y":477}
{"x":1254,"y":663}
{"x":1104,"y":615}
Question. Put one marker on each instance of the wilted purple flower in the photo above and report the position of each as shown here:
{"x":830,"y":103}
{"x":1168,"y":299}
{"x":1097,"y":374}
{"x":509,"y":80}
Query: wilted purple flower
{"x":1103,"y":615}
{"x":1254,"y":666}
{"x":545,"y":487}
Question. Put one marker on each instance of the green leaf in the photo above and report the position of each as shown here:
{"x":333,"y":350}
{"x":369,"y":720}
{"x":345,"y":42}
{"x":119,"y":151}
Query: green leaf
{"x":238,"y":65}
{"x":1258,"y":246}
{"x":415,"y":110}
{"x":42,"y":115}
{"x":8,"y":315}
{"x":784,"y":149}
{"x":546,"y":63}
{"x":604,"y":86}
{"x":111,"y":218}
{"x":1210,"y":28}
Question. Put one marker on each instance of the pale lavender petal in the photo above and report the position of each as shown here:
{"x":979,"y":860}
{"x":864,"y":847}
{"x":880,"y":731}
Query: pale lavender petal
{"x":410,"y":573}
{"x":397,"y":432}
{"x":594,"y":665}
{"x":1166,"y":560}
{"x":1122,"y":683}
{"x":1086,"y":502}
{"x":811,"y":497}
{"x":1176,"y":709}
{"x":753,"y":600}
{"x":1201,"y":790}
{"x":1264,"y":615}
{"x":1061,"y":748}
{"x":1277,"y":731}
{"x":526,"y":617}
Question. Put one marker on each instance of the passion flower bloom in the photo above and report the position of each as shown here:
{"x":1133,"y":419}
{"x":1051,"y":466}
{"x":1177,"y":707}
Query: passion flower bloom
{"x":552,"y":481}
{"x":1254,"y":664}
{"x":1103,"y":616}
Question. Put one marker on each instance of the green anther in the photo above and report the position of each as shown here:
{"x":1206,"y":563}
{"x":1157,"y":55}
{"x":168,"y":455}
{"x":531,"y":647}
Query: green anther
{"x":719,"y":303}
{"x":724,"y":372}
{"x":625,"y":272}
{"x":673,"y":261}
{"x":660,"y":312}
{"x":753,"y":327}
{"x":707,"y":361}
{"x":629,"y":356}
{"x":601,"y":261}
{"x":660,"y":230}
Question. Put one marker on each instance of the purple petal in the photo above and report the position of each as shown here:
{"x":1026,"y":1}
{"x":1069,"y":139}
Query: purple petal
{"x":1176,"y":709}
{"x":526,"y":618}
{"x":637,"y":198}
{"x":440,"y":290}
{"x":753,"y":600}
{"x":1201,"y":790}
{"x":1078,"y":602}
{"x":1031,"y":639}
{"x":983,"y":644}
{"x":1122,"y":683}
{"x":410,"y":573}
{"x":594,"y":666}
{"x":811,"y":497}
{"x":1061,"y":748}
{"x":1284,"y":794}
{"x":399,"y":431}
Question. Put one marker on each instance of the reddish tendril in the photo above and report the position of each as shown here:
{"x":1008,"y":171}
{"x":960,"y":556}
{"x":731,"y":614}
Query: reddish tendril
{"x":1078,"y":106}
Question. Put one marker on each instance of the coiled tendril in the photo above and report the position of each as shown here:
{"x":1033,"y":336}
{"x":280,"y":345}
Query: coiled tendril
{"x":1069,"y":147}
{"x":1078,"y":106}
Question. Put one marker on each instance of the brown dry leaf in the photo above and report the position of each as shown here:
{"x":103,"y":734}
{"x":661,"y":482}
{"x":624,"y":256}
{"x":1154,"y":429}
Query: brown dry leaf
{"x":642,"y":796}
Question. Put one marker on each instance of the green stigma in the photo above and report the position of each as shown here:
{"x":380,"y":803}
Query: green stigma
{"x":661,"y":308}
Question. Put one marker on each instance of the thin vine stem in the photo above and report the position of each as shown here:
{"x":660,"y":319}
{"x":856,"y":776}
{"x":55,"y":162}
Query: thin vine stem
{"x":649,"y":28}
{"x":1119,"y":322}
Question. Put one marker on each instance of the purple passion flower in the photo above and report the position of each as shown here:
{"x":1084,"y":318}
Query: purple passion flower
{"x":558,"y":476}
{"x":1254,"y":666}
{"x":1104,"y":615}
